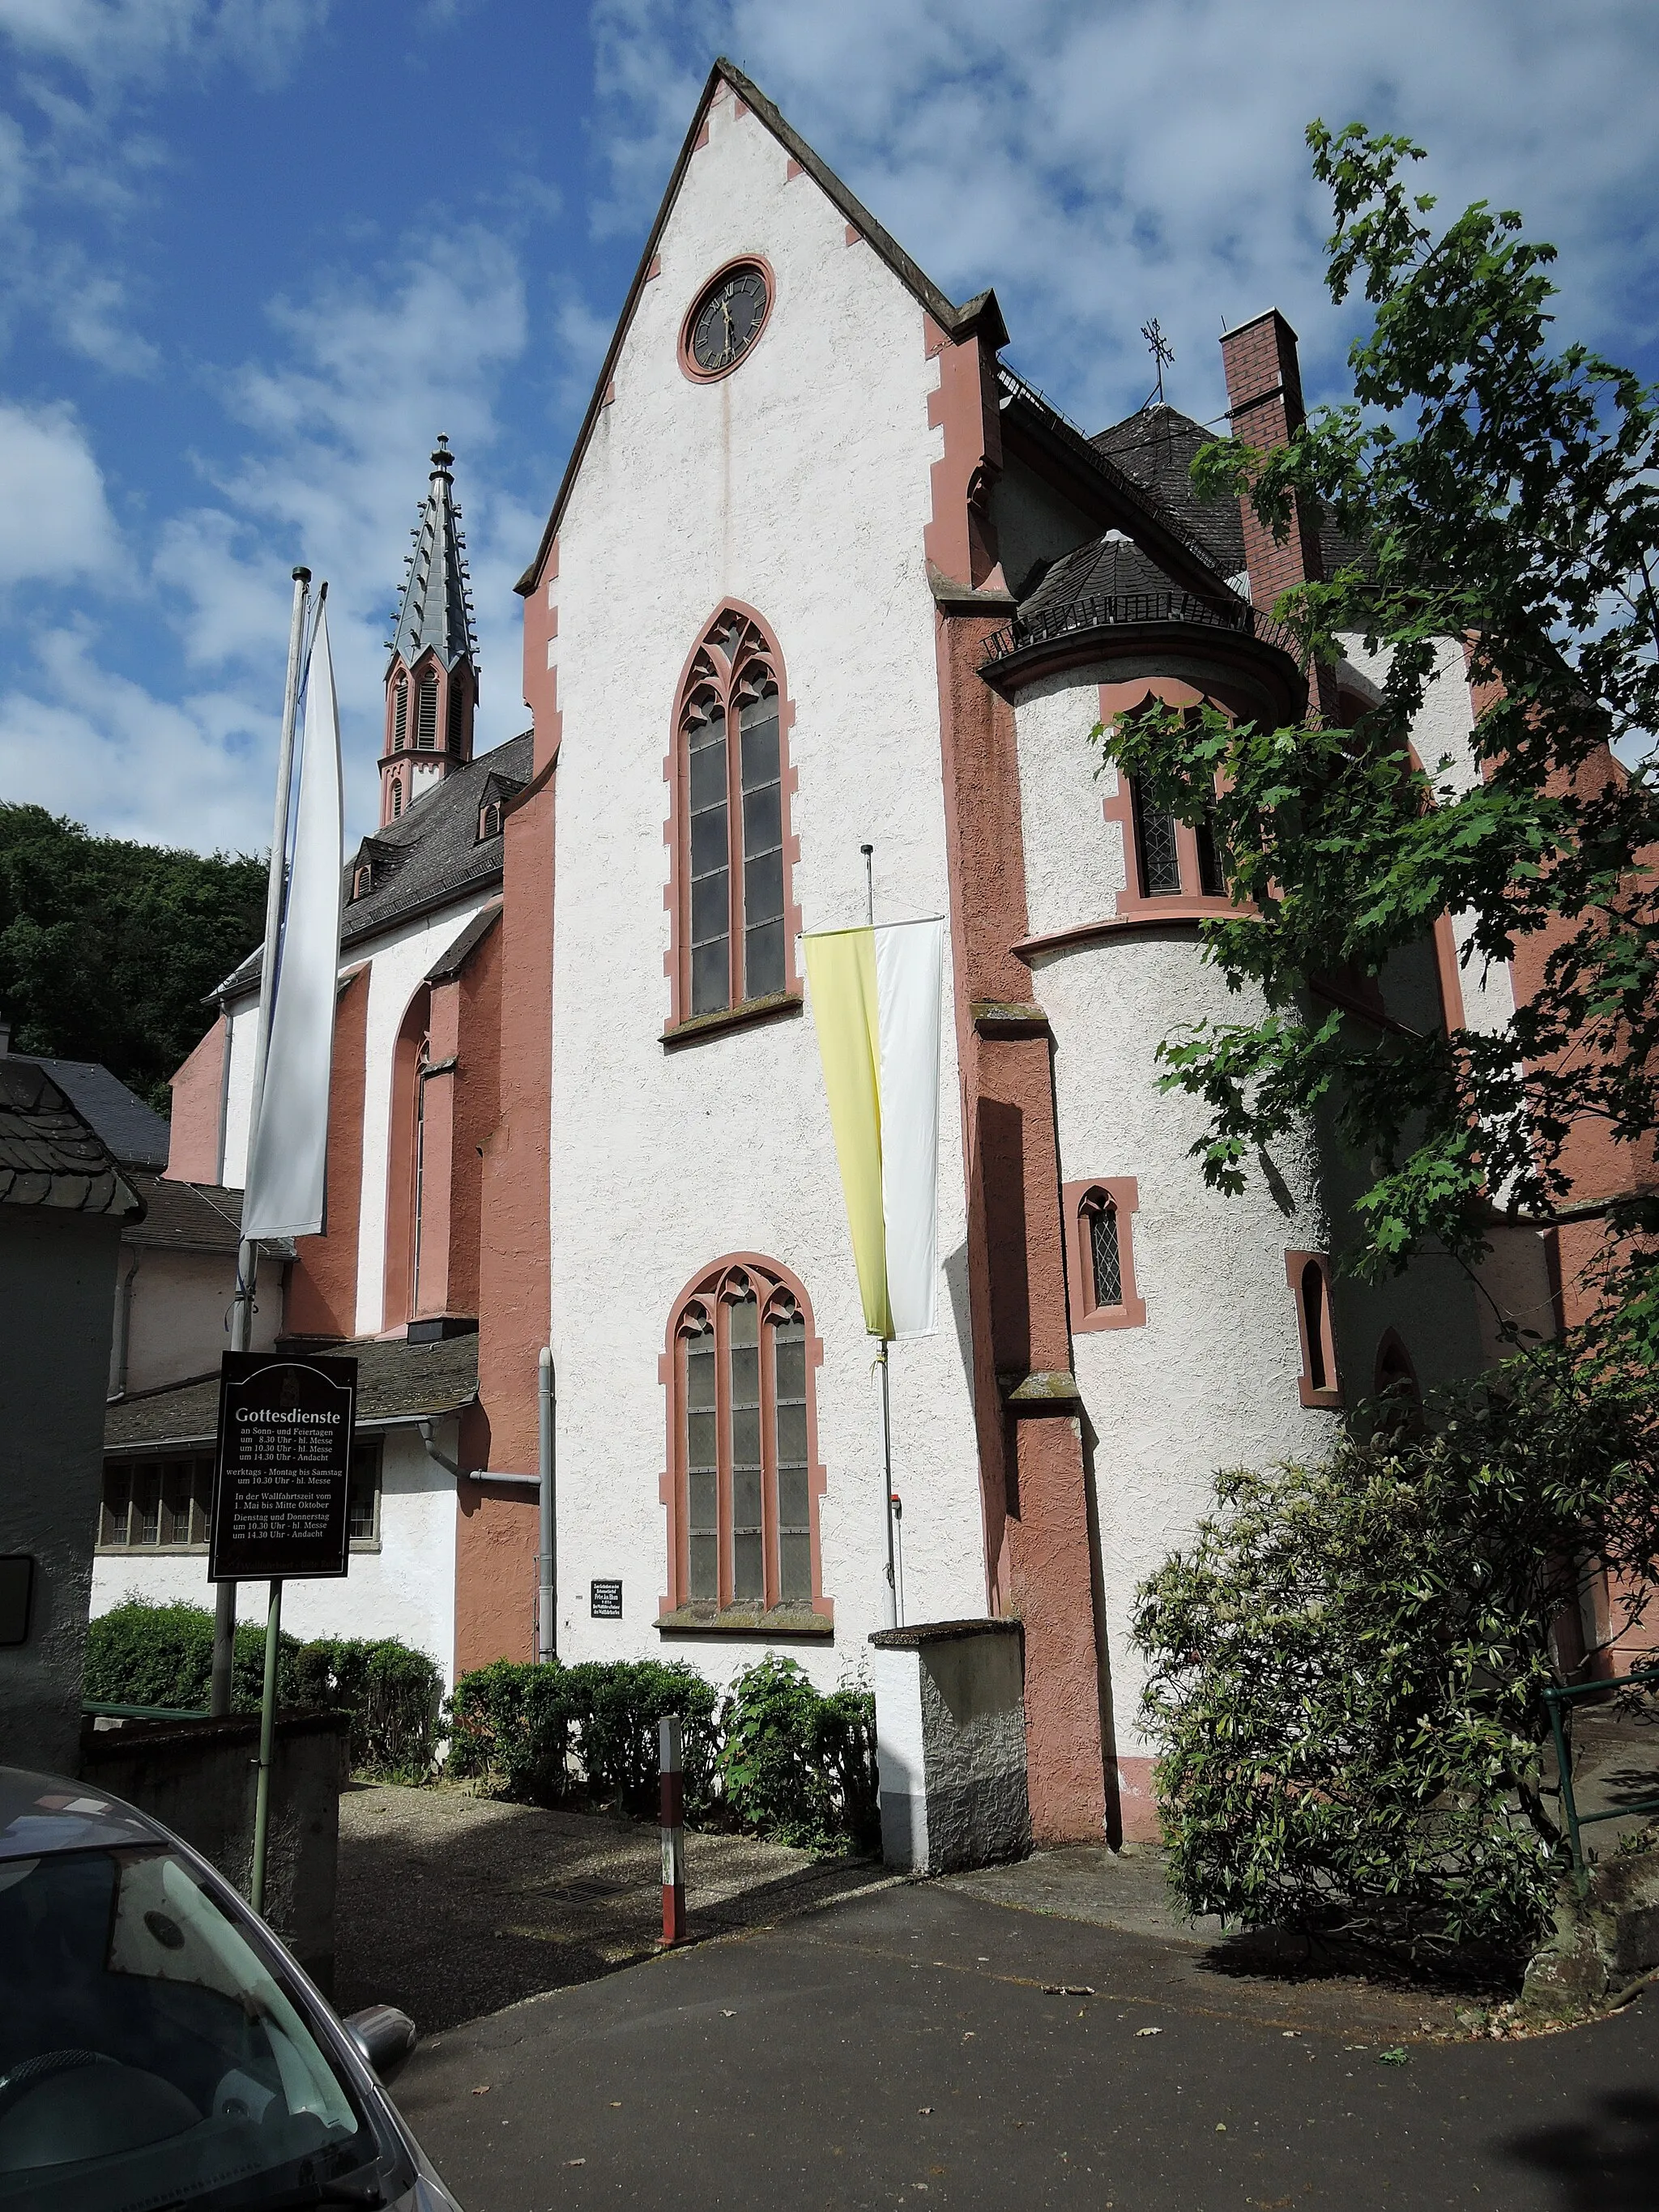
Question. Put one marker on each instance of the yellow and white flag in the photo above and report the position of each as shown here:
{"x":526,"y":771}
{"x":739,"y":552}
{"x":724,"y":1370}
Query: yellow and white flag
{"x":876,"y":997}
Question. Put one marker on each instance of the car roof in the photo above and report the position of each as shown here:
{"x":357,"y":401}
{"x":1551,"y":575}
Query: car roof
{"x":41,"y":1814}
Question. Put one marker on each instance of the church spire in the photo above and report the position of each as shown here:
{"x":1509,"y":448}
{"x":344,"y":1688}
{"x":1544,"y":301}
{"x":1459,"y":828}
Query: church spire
{"x":432,"y":681}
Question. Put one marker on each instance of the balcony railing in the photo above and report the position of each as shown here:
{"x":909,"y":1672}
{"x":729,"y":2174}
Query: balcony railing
{"x":1132,"y":609}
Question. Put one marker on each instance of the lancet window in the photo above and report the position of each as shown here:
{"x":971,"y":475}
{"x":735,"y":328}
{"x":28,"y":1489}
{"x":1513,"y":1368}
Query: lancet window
{"x":731,"y":780}
{"x":742,"y":1487}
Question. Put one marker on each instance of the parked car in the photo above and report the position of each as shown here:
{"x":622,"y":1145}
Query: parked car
{"x":160,"y":2049}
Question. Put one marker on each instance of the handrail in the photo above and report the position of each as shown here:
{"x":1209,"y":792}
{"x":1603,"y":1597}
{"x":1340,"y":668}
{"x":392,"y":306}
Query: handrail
{"x":1129,"y":608}
{"x":1555,"y":1697}
{"x":104,"y":1711}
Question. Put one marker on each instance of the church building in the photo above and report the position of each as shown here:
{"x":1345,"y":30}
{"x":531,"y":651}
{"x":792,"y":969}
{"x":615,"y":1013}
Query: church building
{"x":823,"y":573}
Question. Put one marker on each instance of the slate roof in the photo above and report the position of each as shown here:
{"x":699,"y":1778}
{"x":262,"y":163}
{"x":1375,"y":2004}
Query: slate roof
{"x":1109,"y":568}
{"x":192,"y":1216}
{"x":133,"y":1134}
{"x":49,"y":1156}
{"x":396,"y":1380}
{"x":435,"y":609}
{"x":430,"y":855}
{"x":1156,"y":448}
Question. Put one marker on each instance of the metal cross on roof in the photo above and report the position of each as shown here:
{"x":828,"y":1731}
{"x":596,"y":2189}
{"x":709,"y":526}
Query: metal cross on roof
{"x":1160,"y":348}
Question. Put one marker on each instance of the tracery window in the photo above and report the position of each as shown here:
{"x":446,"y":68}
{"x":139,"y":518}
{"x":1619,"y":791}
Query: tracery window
{"x":731,"y":802}
{"x":742,"y":1487}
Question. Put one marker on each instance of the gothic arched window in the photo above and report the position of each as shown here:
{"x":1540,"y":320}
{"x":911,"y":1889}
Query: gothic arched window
{"x":732,"y":782}
{"x":426,"y":716}
{"x":1310,"y":1277}
{"x":399,"y":715}
{"x":743,"y":1485}
{"x":397,"y":796}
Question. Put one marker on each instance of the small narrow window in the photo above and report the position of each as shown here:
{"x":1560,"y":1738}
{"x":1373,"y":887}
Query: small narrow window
{"x":702,"y":1463}
{"x":397,"y":797}
{"x":117,"y":1509}
{"x":748,"y":1515}
{"x":711,"y":877}
{"x":1156,"y":846}
{"x":1209,"y":860}
{"x":363,"y":880}
{"x":1105,"y":1255}
{"x":399,"y":715}
{"x":363,"y":1495}
{"x":457,"y":703}
{"x":489,"y":820}
{"x":1313,"y":1322}
{"x":147,"y":1505}
{"x":1310,"y":1277}
{"x":426,"y":717}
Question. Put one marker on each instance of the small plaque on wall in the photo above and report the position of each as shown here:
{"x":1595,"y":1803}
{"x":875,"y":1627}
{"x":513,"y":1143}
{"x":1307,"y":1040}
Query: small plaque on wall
{"x":606,"y":1601}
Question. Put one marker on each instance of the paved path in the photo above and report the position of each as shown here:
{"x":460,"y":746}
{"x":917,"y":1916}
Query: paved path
{"x":914,"y":2046}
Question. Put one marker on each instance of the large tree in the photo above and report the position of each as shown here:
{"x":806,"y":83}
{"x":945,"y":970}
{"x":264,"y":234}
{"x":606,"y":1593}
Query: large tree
{"x":109,"y":949}
{"x":1502,"y":485}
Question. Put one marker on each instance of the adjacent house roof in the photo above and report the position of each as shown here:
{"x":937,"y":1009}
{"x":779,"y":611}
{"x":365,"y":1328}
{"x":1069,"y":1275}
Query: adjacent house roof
{"x":134,"y":1135}
{"x":435,"y":610}
{"x":192,"y":1216}
{"x":430,"y":854}
{"x":396,"y":1382}
{"x":49,"y":1154}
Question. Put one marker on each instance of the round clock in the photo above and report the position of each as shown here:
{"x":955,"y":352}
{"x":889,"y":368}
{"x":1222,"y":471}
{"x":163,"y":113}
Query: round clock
{"x":726,"y":319}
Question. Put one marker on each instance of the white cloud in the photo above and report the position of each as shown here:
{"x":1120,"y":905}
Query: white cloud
{"x":1099,"y":164}
{"x":109,"y":41}
{"x":52,"y":491}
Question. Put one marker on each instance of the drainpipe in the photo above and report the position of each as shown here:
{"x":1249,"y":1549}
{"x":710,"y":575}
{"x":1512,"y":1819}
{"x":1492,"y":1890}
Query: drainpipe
{"x":547,"y":1588}
{"x":428,"y":1438}
{"x":123,"y":1333}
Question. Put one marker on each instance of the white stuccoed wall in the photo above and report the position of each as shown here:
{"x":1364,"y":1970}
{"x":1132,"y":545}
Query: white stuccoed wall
{"x":406,"y":1589}
{"x":398,"y":962}
{"x":1211,"y":1379}
{"x":800,"y":485}
{"x":401,"y":959}
{"x":179,"y":1314}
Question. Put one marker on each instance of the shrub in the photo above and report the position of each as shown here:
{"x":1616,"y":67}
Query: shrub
{"x":797,"y":1766}
{"x":393,"y":1693}
{"x":140,"y":1654}
{"x":509,"y":1724}
{"x":1346,"y":1665}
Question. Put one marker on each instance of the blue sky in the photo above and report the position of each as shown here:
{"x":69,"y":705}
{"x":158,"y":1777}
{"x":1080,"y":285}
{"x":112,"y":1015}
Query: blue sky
{"x":254,"y":254}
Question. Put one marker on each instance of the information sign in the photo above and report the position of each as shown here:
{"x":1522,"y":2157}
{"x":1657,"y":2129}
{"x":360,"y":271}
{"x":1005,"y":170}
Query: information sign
{"x":606,"y":1601}
{"x":283,"y":1467}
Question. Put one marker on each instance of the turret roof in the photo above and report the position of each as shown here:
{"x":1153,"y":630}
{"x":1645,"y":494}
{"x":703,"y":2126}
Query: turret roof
{"x":435,"y":609}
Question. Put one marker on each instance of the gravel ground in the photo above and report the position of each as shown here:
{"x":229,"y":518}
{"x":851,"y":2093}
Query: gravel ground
{"x":453,"y":1906}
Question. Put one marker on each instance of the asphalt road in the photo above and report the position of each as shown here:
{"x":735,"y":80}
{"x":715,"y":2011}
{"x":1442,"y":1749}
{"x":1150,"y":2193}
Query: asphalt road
{"x":903,"y":2048}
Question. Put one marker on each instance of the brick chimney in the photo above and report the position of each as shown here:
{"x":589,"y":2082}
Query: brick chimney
{"x":1264,"y":404}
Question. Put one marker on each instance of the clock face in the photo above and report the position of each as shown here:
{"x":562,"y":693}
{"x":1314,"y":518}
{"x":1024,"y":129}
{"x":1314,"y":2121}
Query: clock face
{"x":727,"y":320}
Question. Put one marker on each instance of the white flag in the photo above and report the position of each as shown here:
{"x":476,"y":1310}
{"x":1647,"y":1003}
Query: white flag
{"x":876,"y":1004}
{"x":284,"y":1196}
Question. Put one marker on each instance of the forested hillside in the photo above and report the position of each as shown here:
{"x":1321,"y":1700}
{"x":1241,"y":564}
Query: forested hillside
{"x":107,"y":949}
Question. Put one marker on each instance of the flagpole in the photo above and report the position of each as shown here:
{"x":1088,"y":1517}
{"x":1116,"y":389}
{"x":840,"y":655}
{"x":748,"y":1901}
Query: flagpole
{"x":247,"y":1253}
{"x":868,"y":851}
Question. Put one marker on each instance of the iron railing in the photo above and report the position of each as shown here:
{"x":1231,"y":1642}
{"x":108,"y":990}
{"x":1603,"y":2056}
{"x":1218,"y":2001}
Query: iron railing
{"x":1129,"y":608}
{"x":1555,"y":1699}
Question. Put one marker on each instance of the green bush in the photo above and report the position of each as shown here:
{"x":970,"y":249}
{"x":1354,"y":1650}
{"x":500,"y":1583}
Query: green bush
{"x":776,"y":1757}
{"x":140,"y":1654}
{"x":542,"y":1731}
{"x":393,"y":1693}
{"x":1346,"y":1666}
{"x":798,"y":1767}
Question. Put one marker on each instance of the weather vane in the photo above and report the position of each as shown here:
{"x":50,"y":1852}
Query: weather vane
{"x":1160,"y":348}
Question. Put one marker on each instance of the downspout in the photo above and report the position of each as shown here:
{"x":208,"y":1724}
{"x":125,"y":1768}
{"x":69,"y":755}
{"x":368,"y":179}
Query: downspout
{"x":123,"y":1333}
{"x":438,"y":1459}
{"x":224,"y":1091}
{"x":547,"y":1580}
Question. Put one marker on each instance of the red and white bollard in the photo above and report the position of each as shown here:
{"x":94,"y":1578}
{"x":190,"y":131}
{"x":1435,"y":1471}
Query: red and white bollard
{"x":673,"y":1833}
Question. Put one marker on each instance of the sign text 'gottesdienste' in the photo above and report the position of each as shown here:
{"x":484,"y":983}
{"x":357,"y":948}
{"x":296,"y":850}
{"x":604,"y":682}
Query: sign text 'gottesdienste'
{"x":283,"y":1464}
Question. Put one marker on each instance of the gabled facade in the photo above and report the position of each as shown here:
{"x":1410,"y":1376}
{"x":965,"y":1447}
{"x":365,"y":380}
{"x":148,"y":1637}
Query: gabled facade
{"x":824,"y":574}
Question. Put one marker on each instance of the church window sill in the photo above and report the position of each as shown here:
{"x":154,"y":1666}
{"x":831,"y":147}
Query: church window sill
{"x":750,"y":1620}
{"x":742,"y":1016}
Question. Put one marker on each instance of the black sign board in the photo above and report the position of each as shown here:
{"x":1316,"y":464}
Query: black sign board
{"x":606,"y":1601}
{"x":285,"y":1458}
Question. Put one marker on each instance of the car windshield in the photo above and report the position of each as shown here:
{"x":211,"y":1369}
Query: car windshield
{"x":148,"y":2056}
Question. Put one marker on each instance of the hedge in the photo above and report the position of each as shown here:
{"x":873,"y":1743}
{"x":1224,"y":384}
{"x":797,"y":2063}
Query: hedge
{"x":140,"y":1654}
{"x":776,"y":1757}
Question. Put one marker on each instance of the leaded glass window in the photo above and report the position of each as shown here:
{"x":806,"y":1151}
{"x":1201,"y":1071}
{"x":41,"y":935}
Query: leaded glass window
{"x":1106,"y":1256}
{"x":1157,"y":846}
{"x":745,"y":1483}
{"x":732,"y":796}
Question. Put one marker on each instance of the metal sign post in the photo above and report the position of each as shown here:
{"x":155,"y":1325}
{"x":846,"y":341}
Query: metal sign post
{"x":280,"y":1481}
